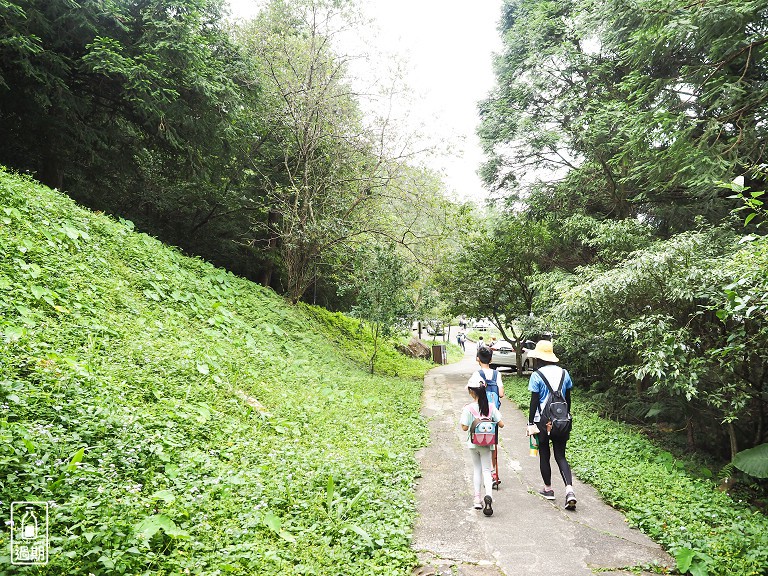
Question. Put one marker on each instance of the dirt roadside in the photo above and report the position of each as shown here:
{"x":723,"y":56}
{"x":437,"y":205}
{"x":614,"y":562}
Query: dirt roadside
{"x":451,"y":538}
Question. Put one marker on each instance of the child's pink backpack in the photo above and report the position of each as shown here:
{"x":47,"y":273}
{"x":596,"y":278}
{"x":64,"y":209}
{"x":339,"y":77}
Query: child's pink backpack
{"x":483,"y":431}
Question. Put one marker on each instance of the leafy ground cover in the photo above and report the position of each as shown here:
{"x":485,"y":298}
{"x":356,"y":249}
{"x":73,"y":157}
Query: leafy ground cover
{"x":702,"y":527}
{"x":181,"y":420}
{"x":350,"y":337}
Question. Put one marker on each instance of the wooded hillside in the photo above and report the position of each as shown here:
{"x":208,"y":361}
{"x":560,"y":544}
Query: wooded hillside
{"x":242,"y":142}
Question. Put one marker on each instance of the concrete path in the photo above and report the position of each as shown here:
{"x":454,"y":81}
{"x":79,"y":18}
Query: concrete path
{"x":452,"y":538}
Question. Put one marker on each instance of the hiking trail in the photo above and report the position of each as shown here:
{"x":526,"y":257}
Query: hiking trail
{"x":527,"y":535}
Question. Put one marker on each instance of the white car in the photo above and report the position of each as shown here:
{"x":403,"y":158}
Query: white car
{"x":435,"y":328}
{"x":504,"y":355}
{"x":482,"y":325}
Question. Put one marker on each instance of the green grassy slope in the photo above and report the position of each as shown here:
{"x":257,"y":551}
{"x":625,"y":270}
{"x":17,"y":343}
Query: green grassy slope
{"x":182,"y":420}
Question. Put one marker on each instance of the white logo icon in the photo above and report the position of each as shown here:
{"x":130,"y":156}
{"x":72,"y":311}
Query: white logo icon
{"x":29,"y":533}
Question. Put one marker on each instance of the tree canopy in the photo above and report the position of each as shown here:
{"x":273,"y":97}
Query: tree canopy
{"x":245,"y":143}
{"x":637,"y":107}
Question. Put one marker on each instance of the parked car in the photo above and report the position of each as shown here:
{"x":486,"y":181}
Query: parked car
{"x":435,"y":328}
{"x":482,"y":325}
{"x":504,"y":355}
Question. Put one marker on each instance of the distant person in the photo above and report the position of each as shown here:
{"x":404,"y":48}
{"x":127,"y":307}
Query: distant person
{"x":481,"y":455}
{"x":494,"y":389}
{"x":480,"y":343}
{"x":462,"y":339}
{"x":547,"y":371}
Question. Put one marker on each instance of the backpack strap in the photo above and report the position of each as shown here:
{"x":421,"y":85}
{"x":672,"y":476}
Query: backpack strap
{"x":544,"y":378}
{"x":492,"y":381}
{"x":482,"y":377}
{"x":475,"y":419}
{"x":478,"y":415}
{"x":493,"y":378}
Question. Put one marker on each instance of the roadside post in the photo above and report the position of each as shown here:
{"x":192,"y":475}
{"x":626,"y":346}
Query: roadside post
{"x":439,"y":355}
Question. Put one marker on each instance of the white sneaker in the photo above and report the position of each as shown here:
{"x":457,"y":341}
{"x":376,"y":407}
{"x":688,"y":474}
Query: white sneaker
{"x":478,"y":503}
{"x":570,"y":501}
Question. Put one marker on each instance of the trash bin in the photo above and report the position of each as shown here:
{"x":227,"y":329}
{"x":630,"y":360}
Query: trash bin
{"x":438,"y":354}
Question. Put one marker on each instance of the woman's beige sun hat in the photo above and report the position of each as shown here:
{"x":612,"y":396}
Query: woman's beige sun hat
{"x":543,"y":351}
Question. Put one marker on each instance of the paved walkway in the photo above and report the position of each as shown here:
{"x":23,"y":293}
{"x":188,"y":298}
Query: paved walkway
{"x":526,"y":535}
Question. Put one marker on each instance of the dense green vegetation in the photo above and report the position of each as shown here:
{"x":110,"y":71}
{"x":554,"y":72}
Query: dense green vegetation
{"x":354,"y":341}
{"x":626,"y":144}
{"x":668,"y":495}
{"x":625,"y":147}
{"x":184,"y":420}
{"x":245,"y":143}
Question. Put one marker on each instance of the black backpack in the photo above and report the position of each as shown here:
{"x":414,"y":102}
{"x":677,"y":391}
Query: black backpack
{"x":555,"y":414}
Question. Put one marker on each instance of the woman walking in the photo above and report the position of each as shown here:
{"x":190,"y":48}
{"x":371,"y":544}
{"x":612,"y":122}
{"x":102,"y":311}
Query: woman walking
{"x":546,"y":380}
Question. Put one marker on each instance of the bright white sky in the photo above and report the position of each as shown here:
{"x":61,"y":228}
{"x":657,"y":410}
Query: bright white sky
{"x":447,"y":46}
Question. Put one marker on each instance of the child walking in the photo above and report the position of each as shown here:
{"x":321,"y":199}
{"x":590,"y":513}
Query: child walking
{"x":494,"y":389}
{"x":481,"y":455}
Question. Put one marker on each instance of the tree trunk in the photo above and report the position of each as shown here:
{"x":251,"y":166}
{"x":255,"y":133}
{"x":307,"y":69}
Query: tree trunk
{"x":519,"y":354}
{"x":689,"y":433}
{"x":265,"y":275}
{"x":375,"y":334}
{"x":760,"y":409}
{"x":51,"y":173}
{"x":640,"y":383}
{"x":732,"y":438}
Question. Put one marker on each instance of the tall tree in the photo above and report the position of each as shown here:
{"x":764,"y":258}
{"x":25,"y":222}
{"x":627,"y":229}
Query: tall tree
{"x":380,"y":280}
{"x":84,"y":89}
{"x":324,"y":171}
{"x":134,"y":108}
{"x":492,"y":275}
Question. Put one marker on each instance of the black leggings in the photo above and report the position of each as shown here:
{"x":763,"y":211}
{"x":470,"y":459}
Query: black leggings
{"x":558,"y":446}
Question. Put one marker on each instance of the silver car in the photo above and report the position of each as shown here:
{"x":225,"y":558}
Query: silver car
{"x":504,"y":355}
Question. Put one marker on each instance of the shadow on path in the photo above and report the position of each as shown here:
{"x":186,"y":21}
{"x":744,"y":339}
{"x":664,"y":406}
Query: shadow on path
{"x":526,"y":535}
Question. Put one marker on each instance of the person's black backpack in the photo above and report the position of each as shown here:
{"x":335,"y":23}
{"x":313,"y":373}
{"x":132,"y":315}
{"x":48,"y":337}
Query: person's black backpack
{"x":555,"y":415}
